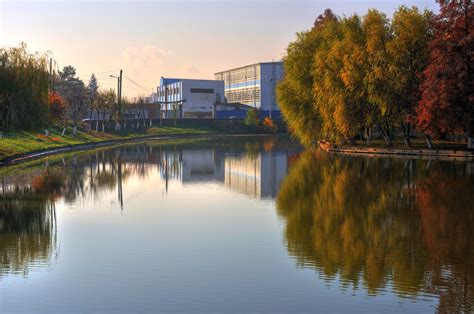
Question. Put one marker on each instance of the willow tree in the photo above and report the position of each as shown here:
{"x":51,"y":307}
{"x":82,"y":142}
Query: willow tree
{"x":23,"y":88}
{"x":294,"y":91}
{"x":339,"y":91}
{"x":379,"y":92}
{"x":408,"y":52}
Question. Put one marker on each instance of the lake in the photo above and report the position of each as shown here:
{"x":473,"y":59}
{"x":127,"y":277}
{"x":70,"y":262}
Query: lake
{"x":235,"y":225}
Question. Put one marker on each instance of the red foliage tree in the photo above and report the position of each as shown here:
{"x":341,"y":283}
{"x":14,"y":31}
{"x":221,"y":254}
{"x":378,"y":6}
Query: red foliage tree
{"x":57,"y":107}
{"x":447,"y":89}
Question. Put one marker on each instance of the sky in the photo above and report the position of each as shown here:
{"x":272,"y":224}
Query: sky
{"x":180,"y":38}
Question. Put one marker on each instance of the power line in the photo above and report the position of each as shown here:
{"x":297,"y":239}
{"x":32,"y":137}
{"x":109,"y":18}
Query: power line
{"x":132,"y":81}
{"x":96,"y":74}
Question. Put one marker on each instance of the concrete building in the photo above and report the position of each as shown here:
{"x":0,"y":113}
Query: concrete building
{"x":253,"y":85}
{"x":188,"y":98}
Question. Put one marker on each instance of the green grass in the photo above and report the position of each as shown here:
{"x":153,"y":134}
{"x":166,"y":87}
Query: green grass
{"x":21,"y":142}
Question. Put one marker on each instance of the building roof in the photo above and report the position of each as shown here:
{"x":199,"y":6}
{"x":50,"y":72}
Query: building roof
{"x":249,"y":65}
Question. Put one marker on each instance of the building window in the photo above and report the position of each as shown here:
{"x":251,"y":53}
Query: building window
{"x":202,"y":90}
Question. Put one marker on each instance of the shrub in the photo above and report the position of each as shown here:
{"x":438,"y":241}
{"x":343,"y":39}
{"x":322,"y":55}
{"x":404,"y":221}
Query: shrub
{"x":252,"y":118}
{"x":269,"y":125}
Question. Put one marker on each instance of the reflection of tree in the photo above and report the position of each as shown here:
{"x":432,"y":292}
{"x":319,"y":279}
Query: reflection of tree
{"x":27,"y":224}
{"x":370,"y":221}
{"x":447,"y":215}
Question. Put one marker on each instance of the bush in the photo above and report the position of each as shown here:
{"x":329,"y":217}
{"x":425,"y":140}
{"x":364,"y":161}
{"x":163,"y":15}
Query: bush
{"x":269,"y":125}
{"x":252,"y":118}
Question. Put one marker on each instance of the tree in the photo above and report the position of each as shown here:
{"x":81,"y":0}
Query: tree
{"x":23,"y":88}
{"x":251,"y":119}
{"x":73,"y":91}
{"x":104,"y":105}
{"x":408,"y":52}
{"x":447,"y":89}
{"x":339,"y":92}
{"x":380,"y":96}
{"x":294,"y":91}
{"x":92,"y":88}
{"x":56,"y":107}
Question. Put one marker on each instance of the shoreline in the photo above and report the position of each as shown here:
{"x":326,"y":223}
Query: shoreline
{"x":431,"y":154}
{"x":20,"y":158}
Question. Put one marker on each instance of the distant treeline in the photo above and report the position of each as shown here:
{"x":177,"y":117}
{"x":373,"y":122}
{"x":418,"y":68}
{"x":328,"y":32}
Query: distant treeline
{"x":347,"y":77}
{"x":34,"y":96}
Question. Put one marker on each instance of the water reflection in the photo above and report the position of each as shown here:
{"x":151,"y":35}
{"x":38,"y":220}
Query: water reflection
{"x":27,"y":224}
{"x":28,"y":195}
{"x":381,"y":224}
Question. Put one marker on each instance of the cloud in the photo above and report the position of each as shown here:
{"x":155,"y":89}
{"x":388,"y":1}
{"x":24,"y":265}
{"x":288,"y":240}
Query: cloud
{"x":192,"y":70}
{"x":139,"y":59}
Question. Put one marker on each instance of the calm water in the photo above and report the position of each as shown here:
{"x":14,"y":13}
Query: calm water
{"x":235,"y":226}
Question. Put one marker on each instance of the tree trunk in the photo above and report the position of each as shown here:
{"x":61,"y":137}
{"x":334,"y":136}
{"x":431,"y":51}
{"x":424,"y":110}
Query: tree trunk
{"x":406,"y":134}
{"x":386,"y":137}
{"x":63,"y":132}
{"x":367,"y":136}
{"x":470,"y":140}
{"x":74,"y":130}
{"x":90,"y":120}
{"x":46,"y":132}
{"x":428,"y":142}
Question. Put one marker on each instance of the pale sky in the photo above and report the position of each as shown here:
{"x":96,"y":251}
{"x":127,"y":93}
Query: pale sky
{"x":181,"y":38}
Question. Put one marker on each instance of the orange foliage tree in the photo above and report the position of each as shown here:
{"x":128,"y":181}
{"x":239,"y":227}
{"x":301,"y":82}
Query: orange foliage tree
{"x":56,"y":106}
{"x":447,"y":103}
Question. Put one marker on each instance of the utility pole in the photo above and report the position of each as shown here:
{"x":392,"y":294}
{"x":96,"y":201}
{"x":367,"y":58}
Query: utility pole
{"x":120,"y":99}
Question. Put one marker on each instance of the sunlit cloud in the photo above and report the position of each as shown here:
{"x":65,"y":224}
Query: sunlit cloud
{"x":146,"y":58}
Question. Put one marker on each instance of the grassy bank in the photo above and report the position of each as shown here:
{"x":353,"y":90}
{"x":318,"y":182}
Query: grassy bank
{"x":21,"y":142}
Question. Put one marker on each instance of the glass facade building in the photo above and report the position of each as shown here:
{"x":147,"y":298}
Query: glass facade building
{"x":253,"y":85}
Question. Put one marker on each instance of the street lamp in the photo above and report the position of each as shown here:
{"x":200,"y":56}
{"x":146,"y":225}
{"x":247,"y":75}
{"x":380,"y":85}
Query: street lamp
{"x":118,"y":87}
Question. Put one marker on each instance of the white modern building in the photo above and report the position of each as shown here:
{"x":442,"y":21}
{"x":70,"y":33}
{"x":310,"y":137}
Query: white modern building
{"x":189,"y":98}
{"x":253,"y":85}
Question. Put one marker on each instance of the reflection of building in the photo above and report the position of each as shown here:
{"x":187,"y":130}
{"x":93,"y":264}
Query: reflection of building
{"x":188,"y":98}
{"x":202,"y":165}
{"x":253,"y":85}
{"x":258,"y":176}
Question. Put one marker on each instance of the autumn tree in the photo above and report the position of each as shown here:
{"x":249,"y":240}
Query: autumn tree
{"x":56,"y":107}
{"x":294,"y":91}
{"x":408,"y":53}
{"x":447,"y":103}
{"x":380,"y":96}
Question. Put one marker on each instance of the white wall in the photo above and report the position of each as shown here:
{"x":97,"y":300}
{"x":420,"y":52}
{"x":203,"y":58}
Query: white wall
{"x":269,"y":71}
{"x":201,"y":102}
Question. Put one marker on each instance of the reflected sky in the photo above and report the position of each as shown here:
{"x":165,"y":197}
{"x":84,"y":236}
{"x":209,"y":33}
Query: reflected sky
{"x":241,"y":225}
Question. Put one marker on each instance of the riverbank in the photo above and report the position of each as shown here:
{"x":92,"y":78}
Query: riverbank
{"x":446,"y":151}
{"x":15,"y":145}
